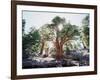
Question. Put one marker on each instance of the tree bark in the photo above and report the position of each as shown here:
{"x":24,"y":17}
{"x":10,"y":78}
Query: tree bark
{"x":42,"y":47}
{"x":59,"y":53}
{"x":59,"y":50}
{"x":84,"y":45}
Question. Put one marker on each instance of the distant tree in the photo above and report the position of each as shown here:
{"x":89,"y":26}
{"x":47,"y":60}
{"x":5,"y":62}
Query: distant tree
{"x":23,"y":26}
{"x":85,"y":31}
{"x":46,"y":34}
{"x":31,"y":42}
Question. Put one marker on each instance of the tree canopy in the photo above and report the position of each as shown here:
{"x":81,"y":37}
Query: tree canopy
{"x":59,"y":32}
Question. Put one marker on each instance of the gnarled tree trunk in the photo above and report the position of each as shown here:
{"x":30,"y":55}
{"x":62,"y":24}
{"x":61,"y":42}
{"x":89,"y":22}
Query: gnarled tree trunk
{"x":59,"y":50}
{"x":59,"y":53}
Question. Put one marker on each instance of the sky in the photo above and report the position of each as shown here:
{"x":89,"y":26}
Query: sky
{"x":39,"y":18}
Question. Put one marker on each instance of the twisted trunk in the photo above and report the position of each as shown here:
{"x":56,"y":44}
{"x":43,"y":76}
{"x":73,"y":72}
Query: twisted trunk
{"x":59,"y":53}
{"x":59,"y":49}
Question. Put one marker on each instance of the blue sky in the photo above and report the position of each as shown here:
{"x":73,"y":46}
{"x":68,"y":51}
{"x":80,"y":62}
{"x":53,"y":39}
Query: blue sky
{"x":37,"y":19}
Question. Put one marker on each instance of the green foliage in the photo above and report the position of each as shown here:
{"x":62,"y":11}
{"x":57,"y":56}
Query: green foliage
{"x":85,"y":21}
{"x":85,"y":31}
{"x":71,"y":45}
{"x":31,"y":42}
{"x":46,"y":32}
{"x":69,"y":31}
{"x":57,"y":20}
